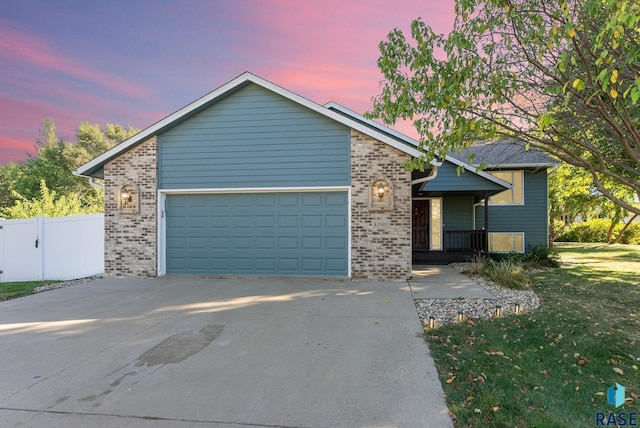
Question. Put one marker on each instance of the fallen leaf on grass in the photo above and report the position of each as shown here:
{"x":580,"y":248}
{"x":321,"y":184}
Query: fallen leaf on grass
{"x":618,"y":370}
{"x":477,"y":411}
{"x":495,"y":409}
{"x":451,"y":379}
{"x":469,"y":399}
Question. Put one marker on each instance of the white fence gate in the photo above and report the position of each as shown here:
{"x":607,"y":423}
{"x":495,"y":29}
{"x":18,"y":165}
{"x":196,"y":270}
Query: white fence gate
{"x":51,"y":248}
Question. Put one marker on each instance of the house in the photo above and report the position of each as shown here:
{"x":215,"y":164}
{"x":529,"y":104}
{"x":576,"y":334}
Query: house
{"x":518,"y":217}
{"x":254,"y":179}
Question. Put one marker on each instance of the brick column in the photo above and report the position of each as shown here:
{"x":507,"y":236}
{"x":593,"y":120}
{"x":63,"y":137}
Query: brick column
{"x":131,"y":237}
{"x":380,"y":239}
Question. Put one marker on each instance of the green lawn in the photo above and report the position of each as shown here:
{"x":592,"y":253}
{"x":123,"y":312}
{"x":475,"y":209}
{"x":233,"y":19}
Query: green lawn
{"x":551,"y":367}
{"x":12,"y":290}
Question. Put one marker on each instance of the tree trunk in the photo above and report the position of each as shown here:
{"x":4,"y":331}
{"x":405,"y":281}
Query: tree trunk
{"x":610,"y":231}
{"x":624,"y":229}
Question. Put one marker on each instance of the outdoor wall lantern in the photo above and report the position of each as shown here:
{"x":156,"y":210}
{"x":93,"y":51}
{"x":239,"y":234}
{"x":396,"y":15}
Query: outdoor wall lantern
{"x":380,"y":191}
{"x":128,"y":199}
{"x":380,"y":195}
{"x":126,"y":196}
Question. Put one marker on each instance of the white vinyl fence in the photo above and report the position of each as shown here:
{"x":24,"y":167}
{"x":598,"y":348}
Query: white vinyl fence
{"x":51,"y":248}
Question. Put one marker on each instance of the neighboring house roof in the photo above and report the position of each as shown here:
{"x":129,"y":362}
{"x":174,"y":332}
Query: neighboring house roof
{"x":505,"y":154}
{"x":94,"y":168}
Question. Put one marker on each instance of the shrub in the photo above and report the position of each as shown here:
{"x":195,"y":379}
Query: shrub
{"x":588,"y":231}
{"x":632,"y":235}
{"x":596,"y":231}
{"x":542,"y":256}
{"x":507,"y":273}
{"x":510,"y":256}
{"x":476,"y":264}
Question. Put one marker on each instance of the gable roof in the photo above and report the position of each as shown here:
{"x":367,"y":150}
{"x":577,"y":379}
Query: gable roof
{"x":506,"y":154}
{"x":94,"y":168}
{"x":413,"y":143}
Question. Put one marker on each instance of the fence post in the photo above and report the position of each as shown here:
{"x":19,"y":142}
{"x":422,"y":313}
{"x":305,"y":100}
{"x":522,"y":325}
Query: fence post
{"x":39,"y":244}
{"x":2,"y":247}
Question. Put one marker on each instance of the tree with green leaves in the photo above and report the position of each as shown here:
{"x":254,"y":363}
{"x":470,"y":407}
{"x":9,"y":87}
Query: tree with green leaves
{"x":572,"y":194}
{"x":53,"y":163}
{"x":563,"y":76}
{"x":49,"y":204}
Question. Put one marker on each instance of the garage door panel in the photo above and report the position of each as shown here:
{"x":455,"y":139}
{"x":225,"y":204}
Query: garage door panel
{"x":267,"y":233}
{"x":288,"y":199}
{"x":312,"y":242}
{"x":288,"y":221}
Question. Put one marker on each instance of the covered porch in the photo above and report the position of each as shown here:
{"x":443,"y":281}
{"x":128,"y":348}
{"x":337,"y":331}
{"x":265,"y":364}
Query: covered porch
{"x":444,"y":226}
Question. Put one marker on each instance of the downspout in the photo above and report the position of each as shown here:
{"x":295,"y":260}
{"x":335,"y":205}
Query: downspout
{"x":94,"y":184}
{"x":433,"y":174}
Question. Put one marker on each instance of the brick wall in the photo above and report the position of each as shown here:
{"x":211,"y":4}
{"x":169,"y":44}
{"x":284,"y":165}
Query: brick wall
{"x":380,"y":239}
{"x":130,"y":234}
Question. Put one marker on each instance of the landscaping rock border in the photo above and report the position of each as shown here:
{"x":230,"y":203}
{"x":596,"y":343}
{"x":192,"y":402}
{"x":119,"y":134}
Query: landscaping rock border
{"x":446,"y":311}
{"x":64,"y":284}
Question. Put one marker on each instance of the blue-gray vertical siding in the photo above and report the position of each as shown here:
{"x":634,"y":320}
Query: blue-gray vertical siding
{"x":448,"y":180}
{"x":530,"y":218}
{"x":254,"y":138}
{"x":457,"y":212}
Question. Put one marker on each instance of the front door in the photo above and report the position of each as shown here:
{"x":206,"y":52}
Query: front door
{"x":420,"y":225}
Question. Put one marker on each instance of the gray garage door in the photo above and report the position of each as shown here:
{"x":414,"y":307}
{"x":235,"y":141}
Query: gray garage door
{"x":261,"y":233}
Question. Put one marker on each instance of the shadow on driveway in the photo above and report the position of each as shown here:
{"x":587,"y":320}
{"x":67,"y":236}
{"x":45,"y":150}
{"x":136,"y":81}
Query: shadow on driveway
{"x":178,"y":352}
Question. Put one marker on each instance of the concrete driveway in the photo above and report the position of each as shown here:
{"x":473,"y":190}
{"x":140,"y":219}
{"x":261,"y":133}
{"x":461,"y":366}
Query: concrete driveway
{"x":189,"y":352}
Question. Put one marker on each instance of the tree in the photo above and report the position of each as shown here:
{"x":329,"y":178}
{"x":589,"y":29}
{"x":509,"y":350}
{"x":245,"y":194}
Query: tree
{"x":47,"y":204}
{"x":50,"y":163}
{"x":8,"y":176}
{"x":54,"y":161}
{"x":571,"y":193}
{"x":563,"y":76}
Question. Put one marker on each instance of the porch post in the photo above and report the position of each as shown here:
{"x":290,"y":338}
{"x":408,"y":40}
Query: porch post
{"x":486,"y":222}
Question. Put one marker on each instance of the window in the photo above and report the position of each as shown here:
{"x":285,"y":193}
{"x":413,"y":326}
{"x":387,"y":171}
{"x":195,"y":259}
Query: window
{"x":512,"y":196}
{"x":436,"y":224}
{"x":506,"y":242}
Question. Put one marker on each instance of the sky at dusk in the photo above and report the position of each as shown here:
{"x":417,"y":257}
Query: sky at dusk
{"x":133,"y":62}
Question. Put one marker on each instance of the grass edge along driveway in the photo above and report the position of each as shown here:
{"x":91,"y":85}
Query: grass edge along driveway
{"x":13,"y":290}
{"x":553,"y":366}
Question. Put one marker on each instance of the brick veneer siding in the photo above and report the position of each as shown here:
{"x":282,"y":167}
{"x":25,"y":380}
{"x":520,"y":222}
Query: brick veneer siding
{"x":379,"y":252}
{"x":131,"y":239}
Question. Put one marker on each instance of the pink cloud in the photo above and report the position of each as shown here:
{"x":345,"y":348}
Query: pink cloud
{"x":29,"y":49}
{"x":13,"y":149}
{"x":328,"y":50}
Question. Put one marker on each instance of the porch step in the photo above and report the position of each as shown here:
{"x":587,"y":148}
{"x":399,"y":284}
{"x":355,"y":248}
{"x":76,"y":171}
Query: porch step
{"x":438,"y":257}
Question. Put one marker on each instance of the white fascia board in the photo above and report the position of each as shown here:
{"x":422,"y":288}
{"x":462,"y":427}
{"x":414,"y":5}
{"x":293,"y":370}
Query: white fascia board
{"x":256,"y":190}
{"x":483,"y":174}
{"x":336,"y":116}
{"x":382,"y":128}
{"x":240,"y":80}
{"x":521,"y":165}
{"x":151,"y":130}
{"x":373,"y":123}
